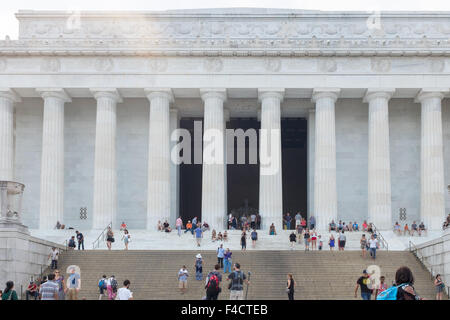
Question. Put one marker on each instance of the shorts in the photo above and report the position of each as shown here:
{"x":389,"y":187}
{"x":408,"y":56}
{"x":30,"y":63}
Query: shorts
{"x":182,"y":284}
{"x":341,"y":244}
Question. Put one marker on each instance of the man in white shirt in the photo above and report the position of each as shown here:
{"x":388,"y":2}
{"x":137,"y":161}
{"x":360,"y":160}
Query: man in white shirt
{"x":124,"y":293}
{"x":54,"y":257}
{"x":373,"y":245}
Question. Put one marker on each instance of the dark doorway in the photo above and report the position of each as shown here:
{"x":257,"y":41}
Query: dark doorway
{"x":190,"y":179}
{"x":243,"y":179}
{"x":294,"y":156}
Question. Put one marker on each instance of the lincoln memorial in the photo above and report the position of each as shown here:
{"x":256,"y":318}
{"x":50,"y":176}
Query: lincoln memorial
{"x":89,"y":102}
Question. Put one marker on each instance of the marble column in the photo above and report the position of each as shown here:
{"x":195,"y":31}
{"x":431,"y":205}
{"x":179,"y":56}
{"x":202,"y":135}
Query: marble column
{"x":174,"y":171}
{"x":52,"y":163}
{"x":310,"y":160}
{"x":325,"y":193}
{"x":432,"y":197}
{"x":379,"y":195}
{"x":213,"y":177}
{"x":105,"y":175}
{"x":7,"y":99}
{"x":226,"y":118}
{"x":270,"y":177}
{"x":159,"y":192}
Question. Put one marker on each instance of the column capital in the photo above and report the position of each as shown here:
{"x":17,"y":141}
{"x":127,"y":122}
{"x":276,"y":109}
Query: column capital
{"x":218,"y":93}
{"x":10,"y":94}
{"x":319,"y":93}
{"x":426,"y":93}
{"x":373,"y":93}
{"x":277,"y":93}
{"x":59,"y":93}
{"x":110,"y":93}
{"x":159,"y":93}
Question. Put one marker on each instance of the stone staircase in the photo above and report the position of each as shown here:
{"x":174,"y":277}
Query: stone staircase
{"x":319,"y":274}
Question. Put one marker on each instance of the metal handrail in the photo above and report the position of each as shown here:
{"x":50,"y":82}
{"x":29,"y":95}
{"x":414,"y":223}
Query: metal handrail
{"x":415,"y":251}
{"x":380,"y":236}
{"x":101,"y":237}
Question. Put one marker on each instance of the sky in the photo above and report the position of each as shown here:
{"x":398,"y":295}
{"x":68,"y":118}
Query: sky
{"x":9,"y":24}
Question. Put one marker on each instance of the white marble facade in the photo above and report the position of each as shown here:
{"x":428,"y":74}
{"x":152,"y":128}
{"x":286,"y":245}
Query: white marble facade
{"x":88,"y":100}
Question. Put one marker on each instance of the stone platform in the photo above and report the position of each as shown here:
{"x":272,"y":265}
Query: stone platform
{"x":153,"y":240}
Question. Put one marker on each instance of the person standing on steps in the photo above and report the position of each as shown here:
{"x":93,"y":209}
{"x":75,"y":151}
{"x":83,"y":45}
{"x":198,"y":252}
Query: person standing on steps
{"x":198,"y":267}
{"x":363,"y":243}
{"x":331,"y":242}
{"x":342,"y":240}
{"x":290,"y":286}
{"x":381,"y":287}
{"x":243,"y":241}
{"x":179,"y":225}
{"x":254,"y":236}
{"x":183,"y":275}
{"x":227,"y":261}
{"x":124,"y":293}
{"x":292,"y":239}
{"x":102,"y":287}
{"x":312,"y":223}
{"x":109,"y":238}
{"x":373,"y":246}
{"x":440,"y":286}
{"x":80,"y":239}
{"x":111,"y":287}
{"x":198,"y":235}
{"x":253,"y":221}
{"x":59,"y":279}
{"x":220,"y":255}
{"x":54,"y":257}
{"x":364,"y":282}
{"x":126,"y":238}
{"x":298,"y":219}
{"x":306,"y":237}
{"x":313,"y":239}
{"x":237,"y":278}
{"x":74,"y":284}
{"x":212,"y":285}
{"x":49,"y":290}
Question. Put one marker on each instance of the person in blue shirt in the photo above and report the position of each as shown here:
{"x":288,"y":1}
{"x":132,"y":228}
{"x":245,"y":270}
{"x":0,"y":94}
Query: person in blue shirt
{"x":355,"y":226}
{"x":198,"y":235}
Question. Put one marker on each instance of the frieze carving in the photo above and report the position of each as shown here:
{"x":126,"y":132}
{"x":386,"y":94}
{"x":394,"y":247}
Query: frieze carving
{"x":437,"y":65}
{"x":213,"y":64}
{"x":380,"y":65}
{"x":327,"y":65}
{"x":272,"y":64}
{"x":205,"y":33}
{"x":157,"y":64}
{"x":104,"y":64}
{"x":50,"y":64}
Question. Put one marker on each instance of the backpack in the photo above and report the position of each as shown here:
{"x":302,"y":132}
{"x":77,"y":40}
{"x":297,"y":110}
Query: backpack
{"x":213,"y":283}
{"x":102,"y":284}
{"x":114,"y":285}
{"x":390,"y":293}
{"x":238,"y":278}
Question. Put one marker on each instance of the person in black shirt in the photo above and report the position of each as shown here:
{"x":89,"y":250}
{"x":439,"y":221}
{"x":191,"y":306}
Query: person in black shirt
{"x":290,"y":286}
{"x":363,"y":282}
{"x":80,"y":239}
{"x":292,"y":239}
